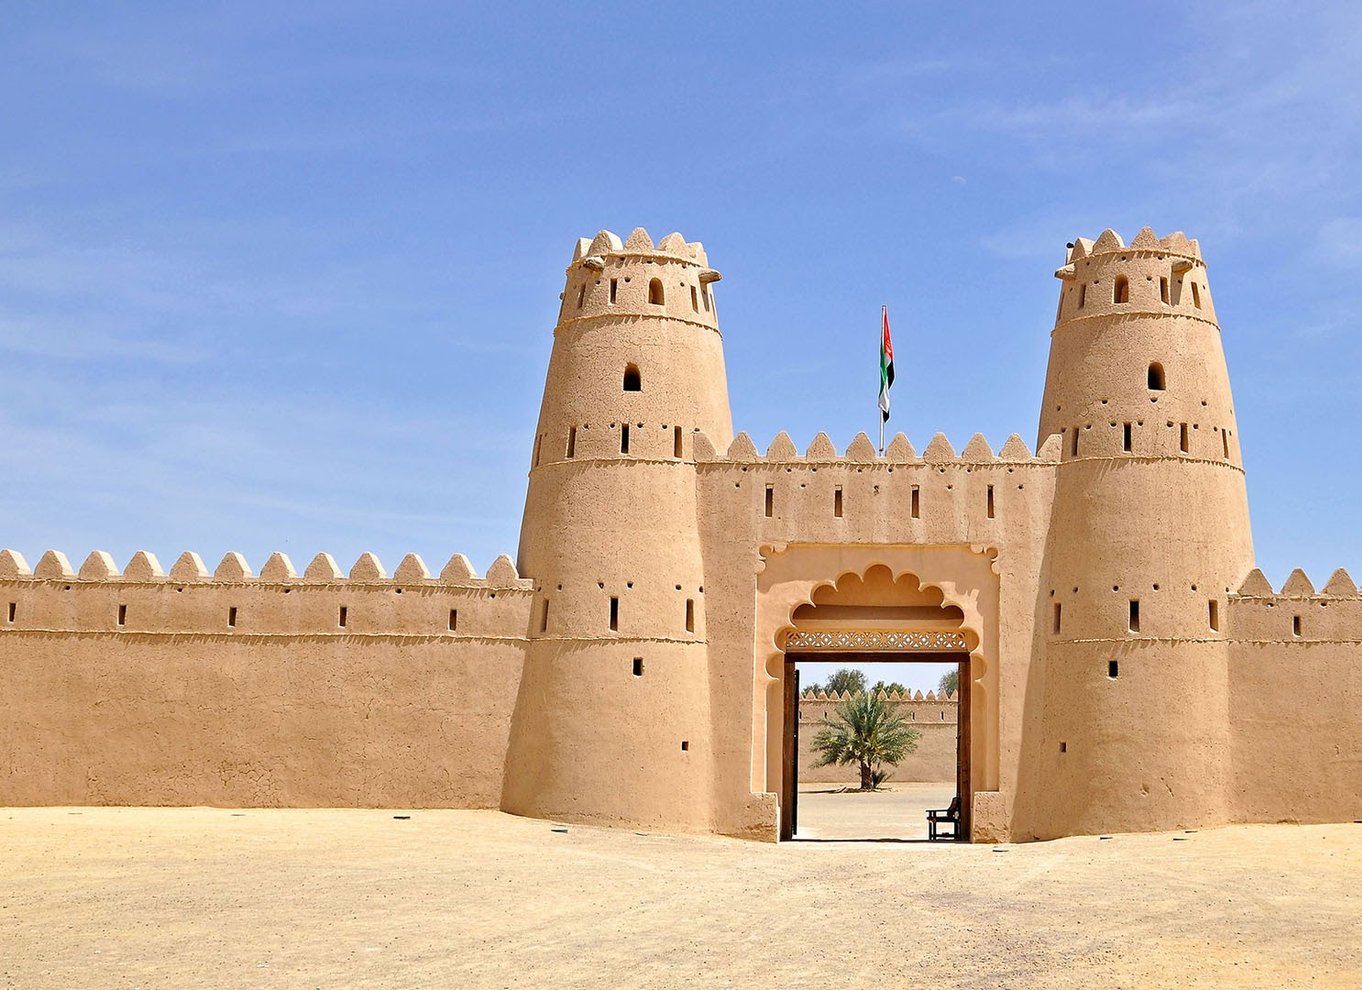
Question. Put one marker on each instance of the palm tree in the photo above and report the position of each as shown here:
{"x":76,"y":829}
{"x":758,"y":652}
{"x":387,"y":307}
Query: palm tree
{"x":867,"y":731}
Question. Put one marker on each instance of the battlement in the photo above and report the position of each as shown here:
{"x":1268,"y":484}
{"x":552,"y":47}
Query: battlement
{"x":898,"y":697}
{"x":862,"y":451}
{"x":607,"y":244}
{"x":1110,"y":242}
{"x":1297,"y":613}
{"x":189,"y":568}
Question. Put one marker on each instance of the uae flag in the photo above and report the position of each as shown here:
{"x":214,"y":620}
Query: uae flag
{"x":886,"y":364}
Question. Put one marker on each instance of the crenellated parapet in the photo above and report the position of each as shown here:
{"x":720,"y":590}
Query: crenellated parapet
{"x":1297,"y":613}
{"x":144,"y":598}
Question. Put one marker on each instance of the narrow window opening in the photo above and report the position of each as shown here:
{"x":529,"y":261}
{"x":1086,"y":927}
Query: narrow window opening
{"x":123,"y":616}
{"x":694,"y":301}
{"x":1163,"y":289}
{"x":1082,"y":294}
{"x":1063,"y":747}
{"x":1214,"y":616}
{"x":685,"y":745}
{"x":1196,"y":296}
{"x":344,"y":616}
{"x":1059,"y":613}
{"x":837,"y":501}
{"x":1113,"y":668}
{"x":770,"y":501}
{"x":916,"y":506}
{"x":633,"y":381}
{"x":544,"y":617}
{"x":1225,"y":442}
{"x":676,"y":442}
{"x":638,"y":666}
{"x":690,"y":615}
{"x":1296,"y":626}
{"x":231,"y":617}
{"x":614,"y":290}
{"x":990,"y":502}
{"x":1125,"y":438}
{"x":1156,"y":378}
{"x":453,"y":620}
{"x":581,"y":296}
{"x":1134,"y":615}
{"x":1182,"y":439}
{"x":13,"y":608}
{"x":614,"y":615}
{"x":624,"y":438}
{"x":704,"y":294}
{"x":572,"y":441}
{"x":538,"y":442}
{"x":656,"y":296}
{"x":1073,"y":449}
{"x":1120,"y":292}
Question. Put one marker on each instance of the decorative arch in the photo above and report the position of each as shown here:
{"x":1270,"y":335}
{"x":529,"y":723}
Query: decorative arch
{"x":791,"y":575}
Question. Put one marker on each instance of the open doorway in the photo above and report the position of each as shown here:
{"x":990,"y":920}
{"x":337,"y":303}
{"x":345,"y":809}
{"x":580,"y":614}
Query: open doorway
{"x":931,"y":781}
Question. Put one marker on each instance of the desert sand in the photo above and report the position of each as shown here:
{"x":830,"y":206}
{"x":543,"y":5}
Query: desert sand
{"x":120,"y":898}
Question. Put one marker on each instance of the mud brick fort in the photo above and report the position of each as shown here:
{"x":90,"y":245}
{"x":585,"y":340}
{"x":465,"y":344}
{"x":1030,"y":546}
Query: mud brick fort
{"x":1123,"y":665}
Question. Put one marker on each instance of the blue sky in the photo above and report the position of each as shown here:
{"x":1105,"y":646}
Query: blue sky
{"x":283,"y":276}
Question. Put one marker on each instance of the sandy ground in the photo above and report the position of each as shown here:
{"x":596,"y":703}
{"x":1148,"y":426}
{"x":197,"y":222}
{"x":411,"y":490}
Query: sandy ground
{"x":213,"y":898}
{"x":897,"y":812}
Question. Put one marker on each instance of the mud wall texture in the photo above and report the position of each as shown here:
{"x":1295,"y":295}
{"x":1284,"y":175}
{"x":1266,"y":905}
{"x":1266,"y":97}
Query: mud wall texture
{"x":313,"y":691}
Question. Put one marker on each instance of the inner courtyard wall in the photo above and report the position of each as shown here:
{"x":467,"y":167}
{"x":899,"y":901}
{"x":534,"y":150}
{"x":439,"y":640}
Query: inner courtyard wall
{"x":241,"y":691}
{"x":935,"y":719}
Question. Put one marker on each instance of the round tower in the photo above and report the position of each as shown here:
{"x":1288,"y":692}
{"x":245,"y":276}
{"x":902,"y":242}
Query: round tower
{"x":612,"y":720}
{"x":1149,"y":532}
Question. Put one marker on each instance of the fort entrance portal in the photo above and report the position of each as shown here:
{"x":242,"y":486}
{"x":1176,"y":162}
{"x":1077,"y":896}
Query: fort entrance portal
{"x":873,"y":609}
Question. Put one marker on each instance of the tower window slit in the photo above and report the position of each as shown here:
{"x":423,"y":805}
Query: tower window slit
{"x":614,"y":290}
{"x":453,"y":620}
{"x":1120,"y":292}
{"x":624,"y":438}
{"x":538,"y":442}
{"x":1296,"y":626}
{"x":1082,"y":294}
{"x":690,"y":615}
{"x":676,"y":442}
{"x":694,"y":302}
{"x":572,"y":442}
{"x":231,"y":618}
{"x":1196,"y":296}
{"x":1213,"y":608}
{"x":1073,"y":450}
{"x":13,"y":608}
{"x":1125,"y":438}
{"x":581,"y":296}
{"x":633,"y":381}
{"x":916,"y":503}
{"x":1157,"y":381}
{"x":704,"y":294}
{"x":638,"y":666}
{"x":1113,"y":668}
{"x":1134,"y":620}
{"x":837,"y":501}
{"x":614,"y":614}
{"x":343,"y":617}
{"x":656,"y":295}
{"x":1163,"y":289}
{"x":1225,"y":442}
{"x":990,"y":502}
{"x":1059,"y":614}
{"x":770,"y":501}
{"x":123,"y":616}
{"x":1182,"y":438}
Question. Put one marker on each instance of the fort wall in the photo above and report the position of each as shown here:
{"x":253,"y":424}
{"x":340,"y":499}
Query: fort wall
{"x":1296,"y":700}
{"x":319,"y":690}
